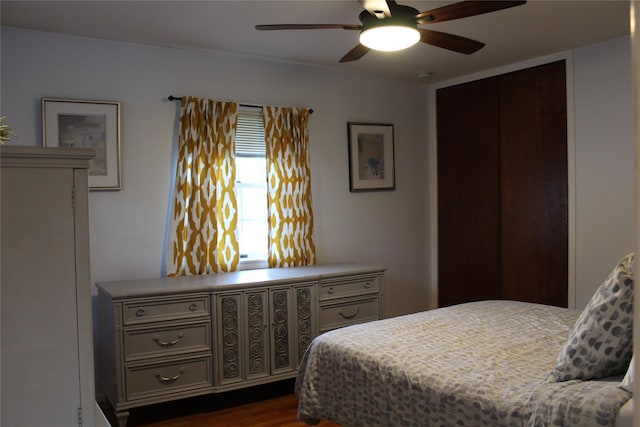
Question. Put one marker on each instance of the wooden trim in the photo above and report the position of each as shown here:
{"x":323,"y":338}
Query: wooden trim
{"x":27,"y":156}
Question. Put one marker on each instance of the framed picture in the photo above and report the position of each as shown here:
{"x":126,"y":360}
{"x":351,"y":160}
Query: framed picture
{"x":86,"y":124}
{"x":371,"y":162}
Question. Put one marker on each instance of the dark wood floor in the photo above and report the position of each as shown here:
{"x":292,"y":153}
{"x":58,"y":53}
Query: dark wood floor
{"x":276,"y":412}
{"x":268,"y":405}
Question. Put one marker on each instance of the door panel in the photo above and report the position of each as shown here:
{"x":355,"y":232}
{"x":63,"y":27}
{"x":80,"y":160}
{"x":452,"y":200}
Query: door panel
{"x":468,"y":192}
{"x":282,"y":350}
{"x":229,"y":324}
{"x":533,"y":185}
{"x":503,"y":188}
{"x":257,"y":334}
{"x":38,"y":295}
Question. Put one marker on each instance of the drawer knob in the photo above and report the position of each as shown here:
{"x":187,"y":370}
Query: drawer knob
{"x":193,"y":307}
{"x":169,"y":380}
{"x":367,"y":285}
{"x":165,"y":344}
{"x":351,"y":315}
{"x":140,"y":312}
{"x":330,"y":291}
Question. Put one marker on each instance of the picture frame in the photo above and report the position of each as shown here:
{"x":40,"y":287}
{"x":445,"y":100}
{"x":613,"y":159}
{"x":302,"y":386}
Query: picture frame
{"x":87,"y":124}
{"x":371,"y":157}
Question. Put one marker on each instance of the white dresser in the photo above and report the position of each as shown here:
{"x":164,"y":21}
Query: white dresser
{"x":170,"y":338}
{"x":47,"y":376}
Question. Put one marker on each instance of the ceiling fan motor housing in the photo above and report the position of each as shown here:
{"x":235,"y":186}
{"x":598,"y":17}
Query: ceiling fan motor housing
{"x":389,"y":34}
{"x":404,"y":16}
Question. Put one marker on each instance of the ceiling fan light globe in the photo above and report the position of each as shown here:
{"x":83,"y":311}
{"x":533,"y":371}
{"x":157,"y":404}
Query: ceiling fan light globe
{"x":389,"y":38}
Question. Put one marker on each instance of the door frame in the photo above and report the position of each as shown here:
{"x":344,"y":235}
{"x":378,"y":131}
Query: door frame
{"x":432,"y":238}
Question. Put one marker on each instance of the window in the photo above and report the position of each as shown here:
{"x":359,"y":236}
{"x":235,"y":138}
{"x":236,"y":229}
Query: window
{"x":206,"y":135}
{"x":251,"y":188}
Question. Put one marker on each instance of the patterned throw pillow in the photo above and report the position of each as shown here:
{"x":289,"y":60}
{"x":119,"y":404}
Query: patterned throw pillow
{"x":601,"y":343}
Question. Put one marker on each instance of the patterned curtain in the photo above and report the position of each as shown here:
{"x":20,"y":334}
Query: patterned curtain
{"x":289,"y":187}
{"x":205,"y":213}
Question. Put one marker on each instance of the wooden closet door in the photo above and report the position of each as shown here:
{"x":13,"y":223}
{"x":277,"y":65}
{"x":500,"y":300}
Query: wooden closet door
{"x":503,"y":188}
{"x":533,"y":185}
{"x":468,"y":192}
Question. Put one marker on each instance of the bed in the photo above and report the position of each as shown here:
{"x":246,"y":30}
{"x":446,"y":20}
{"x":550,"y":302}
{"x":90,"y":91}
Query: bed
{"x":486,"y":363}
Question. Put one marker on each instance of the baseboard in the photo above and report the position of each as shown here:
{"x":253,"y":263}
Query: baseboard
{"x":101,"y":419}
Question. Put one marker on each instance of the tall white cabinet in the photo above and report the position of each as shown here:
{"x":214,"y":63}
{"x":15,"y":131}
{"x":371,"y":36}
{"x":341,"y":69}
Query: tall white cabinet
{"x":46,"y":375}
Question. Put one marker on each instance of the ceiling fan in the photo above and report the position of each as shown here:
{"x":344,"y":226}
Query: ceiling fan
{"x":385,"y":22}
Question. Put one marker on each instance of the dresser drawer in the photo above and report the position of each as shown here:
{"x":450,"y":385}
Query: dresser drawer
{"x":144,"y":311}
{"x":174,"y":339}
{"x":333,"y":290}
{"x":167,"y":378}
{"x":348,"y":313}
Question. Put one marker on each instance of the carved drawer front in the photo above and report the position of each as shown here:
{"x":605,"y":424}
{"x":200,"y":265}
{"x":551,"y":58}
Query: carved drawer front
{"x":165,"y":309}
{"x":333,"y":290}
{"x":175,"y":339}
{"x":305,"y":319}
{"x":167,"y":378}
{"x":228,"y":345}
{"x":348,"y":313}
{"x":282,"y":356}
{"x":257,"y":335}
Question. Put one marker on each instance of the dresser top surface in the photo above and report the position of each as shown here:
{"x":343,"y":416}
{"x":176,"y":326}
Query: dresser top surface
{"x":230,"y":281}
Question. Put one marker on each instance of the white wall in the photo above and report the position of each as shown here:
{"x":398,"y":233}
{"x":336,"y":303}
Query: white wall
{"x":605,"y":191}
{"x":386,"y":228}
{"x":128,"y":227}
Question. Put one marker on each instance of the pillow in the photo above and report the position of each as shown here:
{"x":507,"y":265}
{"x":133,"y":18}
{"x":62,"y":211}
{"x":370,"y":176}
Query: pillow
{"x":627,"y":381}
{"x":601,"y":343}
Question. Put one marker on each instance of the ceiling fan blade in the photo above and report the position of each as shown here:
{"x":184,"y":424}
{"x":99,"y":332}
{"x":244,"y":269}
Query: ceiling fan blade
{"x":450,"y":41}
{"x":356,"y":53}
{"x":307,"y":27}
{"x":464,"y":9}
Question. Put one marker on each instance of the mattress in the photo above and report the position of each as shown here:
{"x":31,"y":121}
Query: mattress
{"x":476,"y":364}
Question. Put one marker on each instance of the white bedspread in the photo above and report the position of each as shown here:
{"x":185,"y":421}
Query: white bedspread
{"x":476,"y":364}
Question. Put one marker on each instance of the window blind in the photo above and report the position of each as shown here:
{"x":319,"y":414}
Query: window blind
{"x":250,"y":132}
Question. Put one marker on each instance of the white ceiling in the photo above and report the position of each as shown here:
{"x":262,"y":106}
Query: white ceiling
{"x":535,"y":29}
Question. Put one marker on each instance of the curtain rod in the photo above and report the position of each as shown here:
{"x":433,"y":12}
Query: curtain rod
{"x":179,"y":98}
